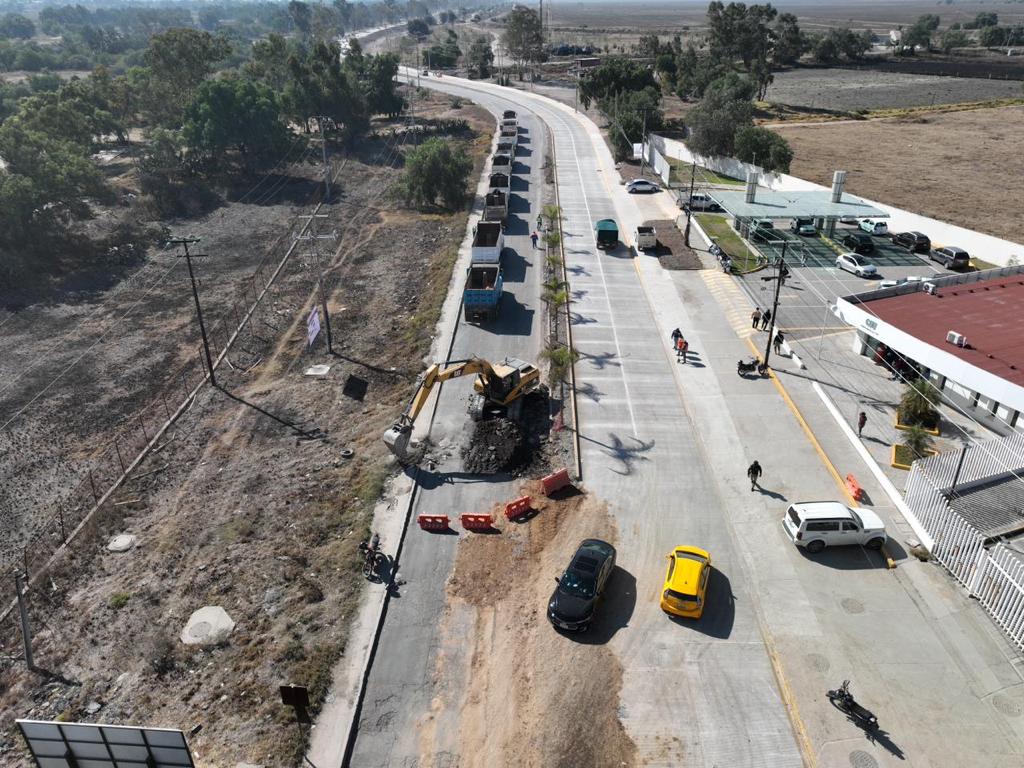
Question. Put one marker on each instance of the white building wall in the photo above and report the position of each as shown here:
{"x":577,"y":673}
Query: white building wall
{"x":992,"y":249}
{"x":961,"y":377}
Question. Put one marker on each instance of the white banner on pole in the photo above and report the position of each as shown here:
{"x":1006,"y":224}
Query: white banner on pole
{"x":638,"y":151}
{"x":313,"y":325}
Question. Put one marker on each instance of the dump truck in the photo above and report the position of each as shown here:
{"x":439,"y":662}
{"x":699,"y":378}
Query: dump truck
{"x":488,"y":243}
{"x":509,"y":132}
{"x":496,"y":205}
{"x":508,"y":113}
{"x":499,"y":180}
{"x":498,"y":391}
{"x":502,"y":160}
{"x":606,"y":232}
{"x":507,"y":144}
{"x":481,"y":298}
{"x":509,"y":122}
{"x":646,"y":238}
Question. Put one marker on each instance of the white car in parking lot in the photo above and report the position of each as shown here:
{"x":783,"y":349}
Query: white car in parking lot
{"x":641,"y":186}
{"x":858,"y":265}
{"x":873,"y":227}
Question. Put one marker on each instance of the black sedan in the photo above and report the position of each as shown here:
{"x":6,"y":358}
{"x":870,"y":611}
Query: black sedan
{"x":575,"y":599}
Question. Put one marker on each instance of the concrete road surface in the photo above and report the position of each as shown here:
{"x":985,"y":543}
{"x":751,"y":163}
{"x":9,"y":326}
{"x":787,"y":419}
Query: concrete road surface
{"x":667,"y":445}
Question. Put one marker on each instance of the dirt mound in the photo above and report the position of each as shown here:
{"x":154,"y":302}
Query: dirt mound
{"x":535,"y":697}
{"x":504,"y":445}
{"x":491,"y":446}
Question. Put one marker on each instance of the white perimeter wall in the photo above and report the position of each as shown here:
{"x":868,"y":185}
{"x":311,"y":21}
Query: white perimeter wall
{"x":992,"y":249}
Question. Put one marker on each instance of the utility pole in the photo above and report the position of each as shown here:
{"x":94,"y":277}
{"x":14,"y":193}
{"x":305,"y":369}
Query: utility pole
{"x":313,"y":238}
{"x":185,"y":241}
{"x":26,"y":634}
{"x":643,"y":143}
{"x":323,"y":152}
{"x":689,"y":201}
{"x":779,"y":279}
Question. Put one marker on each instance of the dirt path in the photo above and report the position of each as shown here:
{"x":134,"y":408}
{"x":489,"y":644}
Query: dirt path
{"x":535,"y":697}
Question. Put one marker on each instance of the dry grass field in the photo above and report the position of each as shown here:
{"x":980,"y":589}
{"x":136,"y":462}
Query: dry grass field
{"x":961,"y":167}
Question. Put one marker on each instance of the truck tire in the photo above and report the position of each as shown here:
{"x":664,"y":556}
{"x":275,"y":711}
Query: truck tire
{"x":875,"y":543}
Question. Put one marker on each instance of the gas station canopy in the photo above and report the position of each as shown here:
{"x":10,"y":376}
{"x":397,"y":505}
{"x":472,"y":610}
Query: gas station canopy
{"x":812,"y":204}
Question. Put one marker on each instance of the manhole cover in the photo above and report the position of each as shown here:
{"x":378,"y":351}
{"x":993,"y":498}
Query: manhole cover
{"x":861,"y":759}
{"x":1006,"y":705}
{"x":852,"y":605}
{"x":818,"y":661}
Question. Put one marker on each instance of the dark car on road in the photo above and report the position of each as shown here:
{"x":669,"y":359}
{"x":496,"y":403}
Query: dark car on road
{"x":858,"y":242}
{"x":579,"y":589}
{"x":913,"y":241}
{"x":951,"y":257}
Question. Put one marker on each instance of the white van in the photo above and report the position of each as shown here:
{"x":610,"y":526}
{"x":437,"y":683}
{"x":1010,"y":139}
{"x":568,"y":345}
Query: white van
{"x":815,"y":525}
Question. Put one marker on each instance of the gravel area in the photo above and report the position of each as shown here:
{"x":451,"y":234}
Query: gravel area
{"x":849,"y":90}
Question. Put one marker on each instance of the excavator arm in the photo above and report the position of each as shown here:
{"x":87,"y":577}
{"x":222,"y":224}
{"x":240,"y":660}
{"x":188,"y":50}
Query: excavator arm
{"x":397,"y":438}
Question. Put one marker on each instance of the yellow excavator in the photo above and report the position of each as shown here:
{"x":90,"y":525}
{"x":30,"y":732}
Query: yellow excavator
{"x":499,"y":387}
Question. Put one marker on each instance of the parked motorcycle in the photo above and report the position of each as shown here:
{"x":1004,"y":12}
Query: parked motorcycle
{"x":749,"y":366}
{"x":843,"y":700}
{"x":373,"y":559}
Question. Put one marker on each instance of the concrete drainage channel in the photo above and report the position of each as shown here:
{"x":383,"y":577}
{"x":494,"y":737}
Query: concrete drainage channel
{"x":494,"y":446}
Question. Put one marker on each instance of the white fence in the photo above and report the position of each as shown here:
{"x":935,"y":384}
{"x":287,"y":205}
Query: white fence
{"x":658,"y":162}
{"x":994,"y":575}
{"x":992,"y":249}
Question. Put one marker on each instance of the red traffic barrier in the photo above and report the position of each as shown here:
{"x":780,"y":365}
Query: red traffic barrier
{"x":555,"y":481}
{"x":476,"y":522}
{"x":854,"y":487}
{"x":433,"y":522}
{"x":517,"y":508}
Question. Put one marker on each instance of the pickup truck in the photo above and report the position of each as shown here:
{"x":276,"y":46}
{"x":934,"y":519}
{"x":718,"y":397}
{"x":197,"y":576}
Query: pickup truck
{"x":488,"y":243}
{"x":481,"y":297}
{"x":606,"y":232}
{"x":495,"y":205}
{"x":499,"y":180}
{"x":646,"y":238}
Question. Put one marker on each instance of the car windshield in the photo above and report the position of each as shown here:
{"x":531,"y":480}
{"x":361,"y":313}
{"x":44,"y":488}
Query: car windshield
{"x":680,"y":596}
{"x":856,"y":260}
{"x":577,"y":584}
{"x":857,"y":519}
{"x":794,"y":517}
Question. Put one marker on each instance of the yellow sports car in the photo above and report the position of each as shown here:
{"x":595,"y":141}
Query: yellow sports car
{"x":686,"y":583}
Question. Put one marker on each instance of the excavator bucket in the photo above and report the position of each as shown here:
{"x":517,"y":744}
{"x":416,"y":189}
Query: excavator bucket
{"x":397,"y":440}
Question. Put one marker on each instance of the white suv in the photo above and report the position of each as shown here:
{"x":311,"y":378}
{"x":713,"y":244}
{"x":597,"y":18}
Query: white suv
{"x":873,"y":227}
{"x":815,"y":525}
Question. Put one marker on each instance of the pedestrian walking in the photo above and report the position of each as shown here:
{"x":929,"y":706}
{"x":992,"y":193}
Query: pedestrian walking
{"x":755,"y":317}
{"x":754,"y":473}
{"x":779,"y":338}
{"x":533,"y":239}
{"x":766,"y":318}
{"x":862,"y":419}
{"x":676,"y":335}
{"x":680,"y":346}
{"x":684,"y":347}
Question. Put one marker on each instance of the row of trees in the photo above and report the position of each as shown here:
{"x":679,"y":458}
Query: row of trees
{"x":198,"y":126}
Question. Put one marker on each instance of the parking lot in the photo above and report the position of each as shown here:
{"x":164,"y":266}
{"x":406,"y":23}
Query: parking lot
{"x":815,"y":281}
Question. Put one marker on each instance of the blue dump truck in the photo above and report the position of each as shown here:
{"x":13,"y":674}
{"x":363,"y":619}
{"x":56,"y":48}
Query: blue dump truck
{"x":606,"y":232}
{"x":481,"y":297}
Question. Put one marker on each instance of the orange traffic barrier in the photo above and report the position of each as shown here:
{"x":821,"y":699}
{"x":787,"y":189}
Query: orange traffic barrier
{"x":854,"y":487}
{"x":518,"y":508}
{"x":477,"y":522}
{"x":555,"y":481}
{"x":433,"y":522}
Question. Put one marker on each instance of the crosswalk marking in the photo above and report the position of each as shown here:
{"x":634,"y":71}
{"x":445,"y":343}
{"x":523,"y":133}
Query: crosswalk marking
{"x":733,"y":301}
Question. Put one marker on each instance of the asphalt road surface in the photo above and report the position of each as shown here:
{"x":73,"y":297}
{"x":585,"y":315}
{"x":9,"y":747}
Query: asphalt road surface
{"x":666,"y":446}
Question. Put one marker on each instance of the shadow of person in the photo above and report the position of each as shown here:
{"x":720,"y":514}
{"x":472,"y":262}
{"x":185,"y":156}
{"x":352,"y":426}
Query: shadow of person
{"x":881,"y":738}
{"x":771,"y":494}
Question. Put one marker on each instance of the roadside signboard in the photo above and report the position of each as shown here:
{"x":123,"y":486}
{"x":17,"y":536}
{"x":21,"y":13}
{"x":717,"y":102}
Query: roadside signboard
{"x":313,"y":325}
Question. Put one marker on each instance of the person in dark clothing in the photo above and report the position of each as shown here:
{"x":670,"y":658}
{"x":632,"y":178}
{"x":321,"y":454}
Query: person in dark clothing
{"x":862,"y":419}
{"x":754,"y":473}
{"x":676,"y":334}
{"x":766,"y":318}
{"x":779,"y":338}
